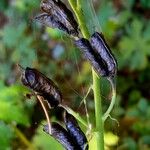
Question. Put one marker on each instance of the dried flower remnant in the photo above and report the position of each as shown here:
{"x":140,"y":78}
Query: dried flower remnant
{"x":62,"y":17}
{"x":42,"y":86}
{"x":99,"y":44}
{"x":62,"y":136}
{"x":51,"y":21}
{"x":92,"y":56}
{"x":75,"y":131}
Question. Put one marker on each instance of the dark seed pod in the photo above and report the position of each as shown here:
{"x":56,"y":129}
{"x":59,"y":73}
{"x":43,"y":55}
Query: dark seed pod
{"x":99,"y":44}
{"x":42,"y":86}
{"x":93,"y":57}
{"x":51,"y":21}
{"x":62,"y":13}
{"x":62,"y":136}
{"x":75,"y":131}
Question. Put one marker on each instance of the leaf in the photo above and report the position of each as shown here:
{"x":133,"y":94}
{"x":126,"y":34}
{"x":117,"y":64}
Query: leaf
{"x":11,"y":106}
{"x":10,"y":38}
{"x":6,"y":135}
{"x":129,"y":144}
{"x":134,"y":47}
{"x":143,"y":105}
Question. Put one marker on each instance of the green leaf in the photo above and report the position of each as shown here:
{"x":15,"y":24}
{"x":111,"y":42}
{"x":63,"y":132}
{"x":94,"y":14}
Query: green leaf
{"x":11,"y":106}
{"x":134,"y":48}
{"x":129,"y":144}
{"x":143,"y":105}
{"x":6,"y":135}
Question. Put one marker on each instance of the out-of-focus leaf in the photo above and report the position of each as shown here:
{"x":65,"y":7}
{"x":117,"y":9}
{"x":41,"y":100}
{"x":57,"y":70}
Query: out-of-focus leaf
{"x":145,"y":3}
{"x":6,"y":135}
{"x":11,"y":35}
{"x":142,"y":128}
{"x":129,"y":144}
{"x":134,"y":48}
{"x":11,"y":105}
{"x":145,"y":139}
{"x":54,"y":33}
{"x":143,"y":105}
{"x":111,"y":139}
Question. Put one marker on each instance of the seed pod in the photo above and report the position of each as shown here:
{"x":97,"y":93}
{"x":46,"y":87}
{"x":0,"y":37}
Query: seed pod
{"x":51,"y":21}
{"x":99,"y":44}
{"x":42,"y":86}
{"x":92,"y":56}
{"x":62,"y":136}
{"x":75,"y":131}
{"x":62,"y":13}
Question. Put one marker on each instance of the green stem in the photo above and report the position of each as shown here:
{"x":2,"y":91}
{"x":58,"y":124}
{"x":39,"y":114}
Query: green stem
{"x":23,"y":138}
{"x":96,"y":81}
{"x":76,"y":115}
{"x":98,"y":112}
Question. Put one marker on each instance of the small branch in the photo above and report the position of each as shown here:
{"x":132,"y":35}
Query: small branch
{"x":76,"y":115}
{"x":84,"y":98}
{"x":98,"y":112}
{"x":45,"y":111}
{"x":23,"y":138}
{"x":108,"y":111}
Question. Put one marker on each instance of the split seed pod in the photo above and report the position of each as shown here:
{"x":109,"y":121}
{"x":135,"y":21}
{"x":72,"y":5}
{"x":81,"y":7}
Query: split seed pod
{"x":93,"y":57}
{"x":75,"y":131}
{"x":51,"y":21}
{"x":42,"y":86}
{"x":61,"y":13}
{"x":62,"y":136}
{"x":99,"y":44}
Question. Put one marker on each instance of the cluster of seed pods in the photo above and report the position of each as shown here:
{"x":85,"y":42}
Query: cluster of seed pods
{"x":71,"y":137}
{"x":95,"y":50}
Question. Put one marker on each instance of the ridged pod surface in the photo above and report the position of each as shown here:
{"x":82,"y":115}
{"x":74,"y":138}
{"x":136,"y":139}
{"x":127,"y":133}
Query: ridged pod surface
{"x":42,"y":86}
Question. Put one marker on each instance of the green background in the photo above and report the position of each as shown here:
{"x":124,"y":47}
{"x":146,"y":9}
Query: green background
{"x":126,"y":27}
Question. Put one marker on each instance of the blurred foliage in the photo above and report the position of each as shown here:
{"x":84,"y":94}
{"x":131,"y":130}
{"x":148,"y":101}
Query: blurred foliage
{"x":126,"y":27}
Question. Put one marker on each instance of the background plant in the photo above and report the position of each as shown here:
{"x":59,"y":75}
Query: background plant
{"x":126,"y":27}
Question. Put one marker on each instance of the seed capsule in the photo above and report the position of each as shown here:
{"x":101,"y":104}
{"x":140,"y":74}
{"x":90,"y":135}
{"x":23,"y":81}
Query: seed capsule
{"x":62,"y":136}
{"x":59,"y":10}
{"x":51,"y":21}
{"x":93,"y":57}
{"x":42,"y":85}
{"x":75,"y":131}
{"x":99,"y":44}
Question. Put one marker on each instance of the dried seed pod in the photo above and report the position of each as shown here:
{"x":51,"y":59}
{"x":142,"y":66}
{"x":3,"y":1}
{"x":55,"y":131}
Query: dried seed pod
{"x":51,"y":21}
{"x":75,"y":131}
{"x":62,"y":13}
{"x":62,"y":136}
{"x":42,"y":86}
{"x":93,"y":57}
{"x":99,"y":44}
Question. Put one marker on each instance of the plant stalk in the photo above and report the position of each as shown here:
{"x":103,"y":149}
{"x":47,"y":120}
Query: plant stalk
{"x":23,"y":138}
{"x":96,"y":81}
